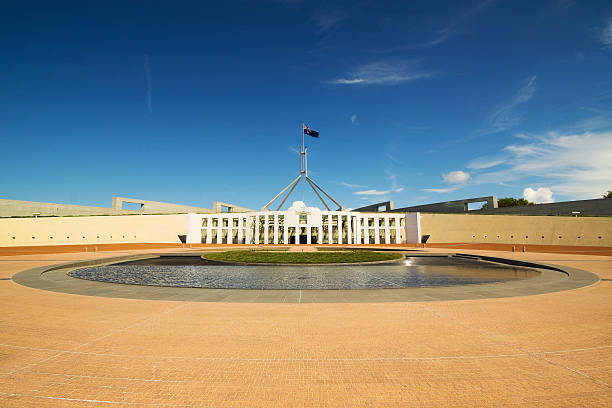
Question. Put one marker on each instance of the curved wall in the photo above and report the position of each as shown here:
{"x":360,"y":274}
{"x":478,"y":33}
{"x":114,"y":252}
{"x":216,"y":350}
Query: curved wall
{"x":442,"y":228}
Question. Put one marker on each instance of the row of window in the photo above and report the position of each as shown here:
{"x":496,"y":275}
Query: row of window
{"x":236,"y":221}
{"x":367,"y":235}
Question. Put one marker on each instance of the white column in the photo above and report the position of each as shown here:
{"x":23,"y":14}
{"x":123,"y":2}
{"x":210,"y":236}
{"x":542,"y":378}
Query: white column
{"x":230,"y":229}
{"x":276,"y":228}
{"x":256,"y":238}
{"x":349,"y":227}
{"x":240,"y":228}
{"x":387,"y":230}
{"x":208,"y":230}
{"x":376,"y":230}
{"x":320,"y":238}
{"x":194,"y":229}
{"x":285,"y":232}
{"x":219,"y":226}
{"x":398,"y":229}
{"x":339,"y":228}
{"x":266,"y":227}
{"x":330,"y":229}
{"x":249,"y":233}
{"x":308,"y":240}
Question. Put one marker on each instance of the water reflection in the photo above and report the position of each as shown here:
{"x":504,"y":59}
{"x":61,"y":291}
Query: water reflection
{"x":414,"y":272}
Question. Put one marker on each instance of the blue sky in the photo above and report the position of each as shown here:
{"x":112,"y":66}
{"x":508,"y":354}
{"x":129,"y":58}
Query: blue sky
{"x":416,"y":102}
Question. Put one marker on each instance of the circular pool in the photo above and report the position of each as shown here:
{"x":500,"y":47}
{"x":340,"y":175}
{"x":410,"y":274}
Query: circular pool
{"x":414,"y":271}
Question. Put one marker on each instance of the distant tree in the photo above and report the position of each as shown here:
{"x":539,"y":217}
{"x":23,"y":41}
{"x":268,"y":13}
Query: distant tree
{"x":512,"y":202}
{"x":608,"y":194}
{"x":508,"y":202}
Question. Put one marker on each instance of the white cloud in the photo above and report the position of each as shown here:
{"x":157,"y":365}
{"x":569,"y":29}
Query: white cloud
{"x":456,"y":177}
{"x":373,"y":192}
{"x":541,"y":195}
{"x":504,"y":117}
{"x":300,"y":206}
{"x":606,"y":34}
{"x":353,"y":118}
{"x":384,"y":73}
{"x":578,"y":166}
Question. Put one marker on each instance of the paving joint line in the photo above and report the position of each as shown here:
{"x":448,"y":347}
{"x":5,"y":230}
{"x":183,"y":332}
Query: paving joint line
{"x":482,"y":356}
{"x":109,"y":334}
{"x":515,"y":346}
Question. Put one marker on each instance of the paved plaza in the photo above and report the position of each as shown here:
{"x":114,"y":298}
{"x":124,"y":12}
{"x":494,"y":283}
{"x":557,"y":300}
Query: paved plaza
{"x":60,"y":349}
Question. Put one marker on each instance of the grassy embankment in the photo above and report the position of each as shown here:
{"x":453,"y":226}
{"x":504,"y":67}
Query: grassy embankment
{"x":303,"y":257}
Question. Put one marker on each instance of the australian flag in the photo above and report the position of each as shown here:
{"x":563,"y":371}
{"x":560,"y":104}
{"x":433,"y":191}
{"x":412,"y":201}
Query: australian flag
{"x":308,"y":131}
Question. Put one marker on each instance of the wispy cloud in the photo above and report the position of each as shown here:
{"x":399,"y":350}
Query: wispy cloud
{"x":485,"y":162}
{"x":599,"y":119}
{"x":288,"y":2}
{"x":454,"y":28}
{"x":349,"y":185}
{"x":440,"y":190}
{"x":353,"y":118}
{"x":395,"y":188}
{"x":326,"y":19}
{"x":606,"y":34}
{"x":575,"y":165}
{"x":504,"y":117}
{"x":384,"y":73}
{"x":148,"y":78}
{"x":458,"y":177}
{"x":373,"y":192}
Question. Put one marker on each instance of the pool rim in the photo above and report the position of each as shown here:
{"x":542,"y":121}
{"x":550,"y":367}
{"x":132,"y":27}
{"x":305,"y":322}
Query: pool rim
{"x":552,"y":278}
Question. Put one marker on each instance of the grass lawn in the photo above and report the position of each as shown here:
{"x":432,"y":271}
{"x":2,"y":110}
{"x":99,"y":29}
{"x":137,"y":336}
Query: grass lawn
{"x":302,"y":257}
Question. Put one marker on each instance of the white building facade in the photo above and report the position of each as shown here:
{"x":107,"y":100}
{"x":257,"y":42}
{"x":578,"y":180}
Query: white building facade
{"x":303,"y":225}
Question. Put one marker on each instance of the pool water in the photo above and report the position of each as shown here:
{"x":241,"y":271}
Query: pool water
{"x":195,"y":272}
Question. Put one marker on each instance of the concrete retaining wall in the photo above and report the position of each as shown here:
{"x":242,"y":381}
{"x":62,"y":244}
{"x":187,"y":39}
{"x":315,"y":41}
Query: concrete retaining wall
{"x":92,"y":230}
{"x":596,"y":207}
{"x":442,"y":228}
{"x":516,"y":229}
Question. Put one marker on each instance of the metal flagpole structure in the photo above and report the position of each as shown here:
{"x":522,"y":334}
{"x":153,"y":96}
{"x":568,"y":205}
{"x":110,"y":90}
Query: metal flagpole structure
{"x":311,"y":183}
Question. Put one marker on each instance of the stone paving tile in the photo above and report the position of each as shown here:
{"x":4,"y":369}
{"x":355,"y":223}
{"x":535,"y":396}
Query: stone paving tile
{"x":547,"y":350}
{"x":444,"y":383}
{"x":594,"y":363}
{"x":13,"y":358}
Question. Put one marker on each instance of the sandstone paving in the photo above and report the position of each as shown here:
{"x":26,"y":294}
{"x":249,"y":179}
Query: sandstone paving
{"x":69,"y":350}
